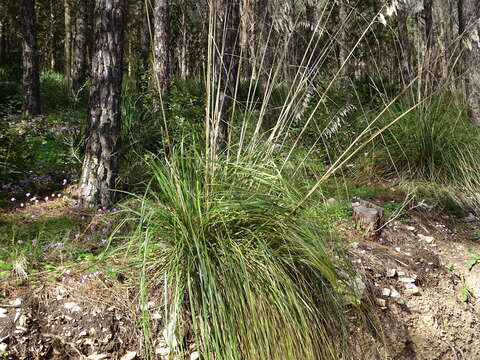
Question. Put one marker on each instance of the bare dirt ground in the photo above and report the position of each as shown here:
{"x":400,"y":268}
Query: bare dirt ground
{"x":423,"y":292}
{"x":423,"y":296}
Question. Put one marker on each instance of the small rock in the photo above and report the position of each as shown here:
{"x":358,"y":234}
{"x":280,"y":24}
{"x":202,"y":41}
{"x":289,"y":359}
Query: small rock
{"x":3,"y":313}
{"x":401,"y":273}
{"x":391,"y":273}
{"x":17,"y":302}
{"x":150,"y":304}
{"x":386,"y":292}
{"x":162,"y":351}
{"x":381,"y":302}
{"x":3,"y":348}
{"x":97,"y":356}
{"x":331,"y":201}
{"x":72,"y":306}
{"x":470,"y":218}
{"x":129,"y":355}
{"x":407,"y":280}
{"x":427,"y":239}
{"x":410,"y":228}
{"x":195,"y":355}
{"x":394,"y":293}
{"x":82,"y":333}
{"x":156,"y":316}
{"x":411,"y":289}
{"x":397,"y":249}
{"x":359,"y":287}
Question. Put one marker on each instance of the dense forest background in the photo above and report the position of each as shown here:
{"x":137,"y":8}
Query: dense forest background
{"x":212,"y":133}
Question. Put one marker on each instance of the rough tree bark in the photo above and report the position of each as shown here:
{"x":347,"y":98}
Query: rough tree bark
{"x":79,"y":46}
{"x":428,"y":13}
{"x":68,"y":40}
{"x":227,"y":31}
{"x":99,"y":171}
{"x":31,"y":81}
{"x":471,"y":41}
{"x":405,"y":46}
{"x":161,"y":46}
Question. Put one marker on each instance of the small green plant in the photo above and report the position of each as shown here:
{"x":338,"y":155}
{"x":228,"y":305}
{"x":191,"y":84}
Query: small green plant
{"x":474,"y":260}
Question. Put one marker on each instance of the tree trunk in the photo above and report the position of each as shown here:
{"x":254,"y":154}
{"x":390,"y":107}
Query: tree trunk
{"x":472,"y":44}
{"x":343,"y":39}
{"x":68,"y":41}
{"x":161,"y":46}
{"x":100,"y":170}
{"x":31,"y":81}
{"x":79,"y":46}
{"x":228,"y":26}
{"x":183,"y":64}
{"x":311,"y":13}
{"x":52,"y":37}
{"x":140,"y":44}
{"x":265,"y":59}
{"x":405,"y":47}
{"x":429,"y":36}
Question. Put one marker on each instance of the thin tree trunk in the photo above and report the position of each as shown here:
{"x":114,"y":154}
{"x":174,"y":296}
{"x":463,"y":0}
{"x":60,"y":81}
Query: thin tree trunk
{"x":405,"y":46}
{"x":228,"y":26}
{"x":100,"y":170}
{"x":31,"y":81}
{"x":68,"y":41}
{"x":3,"y":29}
{"x":52,"y":37}
{"x":343,"y":39}
{"x":183,"y":48}
{"x":140,"y":44}
{"x":265,"y":57}
{"x":472,"y":44}
{"x":429,"y":36}
{"x":161,"y":46}
{"x":79,"y":46}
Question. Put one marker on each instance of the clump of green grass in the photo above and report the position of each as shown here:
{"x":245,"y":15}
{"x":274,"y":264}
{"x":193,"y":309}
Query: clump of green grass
{"x":251,"y":279}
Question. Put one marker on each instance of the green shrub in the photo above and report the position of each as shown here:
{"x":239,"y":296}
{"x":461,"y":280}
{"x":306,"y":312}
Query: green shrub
{"x":249,"y":279}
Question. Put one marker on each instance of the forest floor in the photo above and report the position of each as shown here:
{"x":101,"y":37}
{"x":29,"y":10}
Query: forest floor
{"x":421,"y":278}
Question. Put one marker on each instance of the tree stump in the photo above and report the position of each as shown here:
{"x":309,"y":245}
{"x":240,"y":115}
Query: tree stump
{"x":368,"y":217}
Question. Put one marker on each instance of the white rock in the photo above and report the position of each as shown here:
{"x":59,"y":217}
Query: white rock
{"x":82,"y":333}
{"x":411,"y":289}
{"x":394,"y":293}
{"x":16,"y":302}
{"x":470,"y":218}
{"x":427,"y":239}
{"x":401,"y":273}
{"x":410,"y":228}
{"x":381,"y":302}
{"x":407,"y":280}
{"x":72,"y":306}
{"x":156,"y":316}
{"x":97,"y":356}
{"x":162,"y":351}
{"x":3,"y":313}
{"x":3,"y":348}
{"x":150,"y":304}
{"x":195,"y":355}
{"x":391,"y":273}
{"x":397,"y":249}
{"x":129,"y":355}
{"x":358,"y":286}
{"x":386,"y":292}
